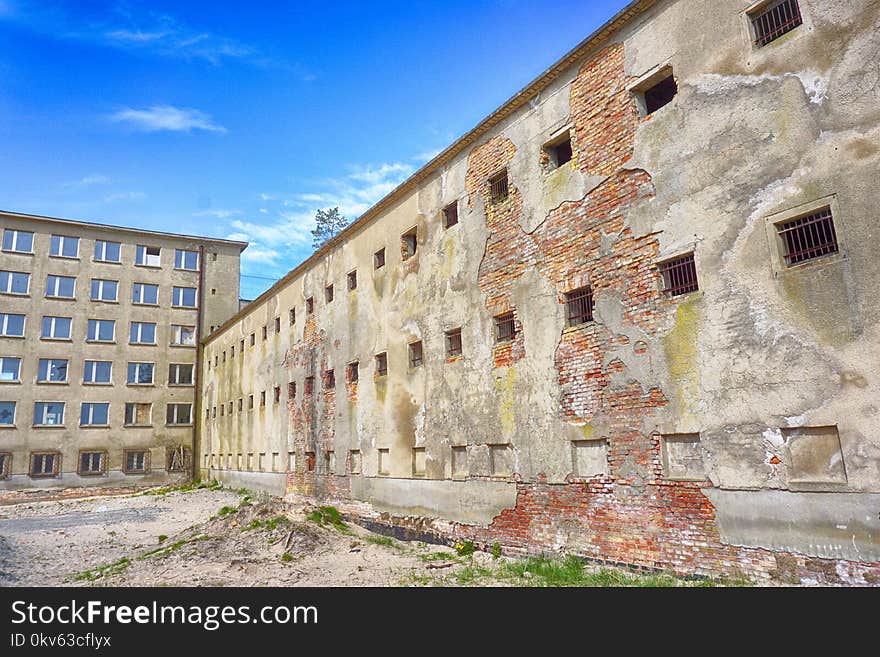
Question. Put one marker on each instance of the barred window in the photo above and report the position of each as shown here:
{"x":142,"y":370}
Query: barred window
{"x":505,"y":327}
{"x":453,"y":343}
{"x":775,"y":19}
{"x":415,"y":354}
{"x":92,"y":463}
{"x":498,"y":189}
{"x":45,"y":464}
{"x":679,"y":275}
{"x":579,"y":306}
{"x":135,"y":461}
{"x":808,"y":237}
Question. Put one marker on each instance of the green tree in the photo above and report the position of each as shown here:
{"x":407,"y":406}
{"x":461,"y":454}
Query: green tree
{"x":328,"y":224}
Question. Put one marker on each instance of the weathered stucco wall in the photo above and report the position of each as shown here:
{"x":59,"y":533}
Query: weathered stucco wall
{"x":622,"y":435}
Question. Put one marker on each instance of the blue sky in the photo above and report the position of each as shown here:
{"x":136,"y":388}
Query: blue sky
{"x":239,"y":120}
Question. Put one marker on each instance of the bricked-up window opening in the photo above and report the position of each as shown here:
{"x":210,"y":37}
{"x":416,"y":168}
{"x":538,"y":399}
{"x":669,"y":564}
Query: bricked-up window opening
{"x":384,"y":465}
{"x":498,"y":189}
{"x":329,"y":380}
{"x":415,"y":354}
{"x":660,"y":94}
{"x":92,"y":463}
{"x":679,"y":275}
{"x":409,"y":243}
{"x":135,"y":461}
{"x":559,"y":151}
{"x":381,"y":364}
{"x":505,"y":328}
{"x":310,"y":305}
{"x":352,"y":372}
{"x":45,"y":464}
{"x":808,"y":237}
{"x":328,"y":293}
{"x":309,"y":385}
{"x":379,"y":259}
{"x":775,"y":19}
{"x":453,"y":343}
{"x":263,"y":398}
{"x":579,"y":306}
{"x":310,"y":461}
{"x":352,"y":279}
{"x":138,"y":414}
{"x":450,"y":215}
{"x":291,"y":316}
{"x":354,"y":458}
{"x":291,"y":390}
{"x":278,"y":325}
{"x":5,"y":464}
{"x":277,"y":397}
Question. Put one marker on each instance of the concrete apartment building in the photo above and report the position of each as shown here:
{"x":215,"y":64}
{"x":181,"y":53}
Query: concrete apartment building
{"x":99,"y":327}
{"x":634,"y":314}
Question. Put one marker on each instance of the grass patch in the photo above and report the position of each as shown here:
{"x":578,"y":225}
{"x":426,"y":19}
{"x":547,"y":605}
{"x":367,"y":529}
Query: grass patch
{"x":439,"y":556}
{"x":168,"y":549}
{"x":472,"y":574}
{"x":378,"y":539}
{"x":193,"y":485}
{"x":226,"y":510}
{"x":286,"y":557}
{"x":328,"y":515}
{"x":163,"y":538}
{"x":102,"y":571}
{"x":270,"y":524}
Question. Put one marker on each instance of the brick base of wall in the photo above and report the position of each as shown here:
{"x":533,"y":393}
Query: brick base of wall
{"x":668,"y":527}
{"x":27,"y":495}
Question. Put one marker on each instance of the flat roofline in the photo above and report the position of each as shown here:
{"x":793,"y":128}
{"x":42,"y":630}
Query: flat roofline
{"x":621,"y":18}
{"x":126,"y":229}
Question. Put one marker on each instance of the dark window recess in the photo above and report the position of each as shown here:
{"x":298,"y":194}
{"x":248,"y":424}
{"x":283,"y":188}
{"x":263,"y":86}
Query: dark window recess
{"x":775,"y":19}
{"x":679,"y":275}
{"x":328,"y":293}
{"x":808,"y":237}
{"x":45,"y":465}
{"x":91,"y":463}
{"x":262,"y":398}
{"x":450,"y":215}
{"x":453,"y":343}
{"x":579,"y":306}
{"x":415,"y":354}
{"x":381,"y":364}
{"x":265,"y":332}
{"x":559,"y":152}
{"x":309,"y":385}
{"x":310,"y":305}
{"x":291,"y":316}
{"x":310,"y":461}
{"x":408,"y":244}
{"x":379,"y":258}
{"x":329,"y":380}
{"x":660,"y":94}
{"x":352,"y":280}
{"x":352,"y":372}
{"x":505,"y":328}
{"x":253,"y":339}
{"x":278,"y":325}
{"x":241,"y":348}
{"x":498,"y":189}
{"x":277,"y":394}
{"x":291,"y":390}
{"x":250,"y":402}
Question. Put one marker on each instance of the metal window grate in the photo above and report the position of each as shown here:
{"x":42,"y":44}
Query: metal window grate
{"x":679,"y":275}
{"x":579,"y":306}
{"x":505,"y":328}
{"x":808,"y":237}
{"x":450,"y":215}
{"x":774,"y":20}
{"x":498,"y":189}
{"x":453,"y":343}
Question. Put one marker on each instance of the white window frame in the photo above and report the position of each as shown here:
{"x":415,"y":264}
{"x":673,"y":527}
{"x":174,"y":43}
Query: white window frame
{"x":62,"y":241}
{"x":49,"y":369}
{"x":97,"y":335}
{"x":91,"y":408}
{"x":101,"y":285}
{"x":140,"y":326}
{"x":143,"y":259}
{"x":52,"y":335}
{"x":17,"y":378}
{"x":177,"y":294}
{"x":177,"y":422}
{"x":94,"y":363}
{"x":10,"y":278}
{"x":13,"y":247}
{"x":56,"y":464}
{"x":42,"y":420}
{"x":176,"y":332}
{"x":53,"y":294}
{"x":140,"y":301}
{"x":175,"y":368}
{"x":180,"y":259}
{"x":102,"y":246}
{"x":134,"y":406}
{"x":14,"y":411}
{"x":4,"y":325}
{"x":137,"y":370}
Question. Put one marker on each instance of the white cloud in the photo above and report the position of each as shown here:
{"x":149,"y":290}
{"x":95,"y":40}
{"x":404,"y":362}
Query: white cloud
{"x":87,"y":181}
{"x":217,"y":214}
{"x":124,"y":196}
{"x":167,"y":117}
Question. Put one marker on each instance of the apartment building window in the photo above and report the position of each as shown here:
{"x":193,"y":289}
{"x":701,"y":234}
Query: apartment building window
{"x":11,"y":325}
{"x":291,"y":316}
{"x":135,"y":461}
{"x":101,"y":330}
{"x":352,"y":372}
{"x":379,"y":258}
{"x":107,"y":251}
{"x":62,"y":246}
{"x":48,"y":414}
{"x":60,"y":287}
{"x":415,"y":354}
{"x":138,"y":414}
{"x":94,"y":414}
{"x":104,"y":290}
{"x":45,"y":464}
{"x":180,"y":374}
{"x":140,"y":374}
{"x":352,"y":280}
{"x":7,"y":413}
{"x":498,"y":187}
{"x":450,"y":215}
{"x":179,"y":414}
{"x":310,"y":305}
{"x":18,"y":241}
{"x":505,"y":327}
{"x":773,"y":19}
{"x":291,"y":390}
{"x":56,"y":328}
{"x":52,"y":370}
{"x":10,"y":369}
{"x":15,"y":282}
{"x":453,"y":343}
{"x":186,"y":260}
{"x":808,"y":237}
{"x":409,"y":243}
{"x":145,"y":294}
{"x":329,"y":380}
{"x":148,"y":256}
{"x":558,"y":151}
{"x":277,"y":397}
{"x":142,"y":333}
{"x":98,"y":372}
{"x":579,"y":306}
{"x":92,"y":463}
{"x":679,"y":275}
{"x":183,"y":297}
{"x":185,"y":336}
{"x":278,"y":325}
{"x":382,"y":364}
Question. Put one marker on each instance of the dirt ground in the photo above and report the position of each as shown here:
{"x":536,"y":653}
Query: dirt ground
{"x":217,"y":537}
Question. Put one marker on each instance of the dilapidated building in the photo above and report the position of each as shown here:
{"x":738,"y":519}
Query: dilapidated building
{"x":634,"y":314}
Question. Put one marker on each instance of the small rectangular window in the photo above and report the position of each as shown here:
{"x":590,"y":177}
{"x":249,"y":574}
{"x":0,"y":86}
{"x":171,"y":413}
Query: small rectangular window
{"x":291,"y":390}
{"x":558,"y":151}
{"x":498,"y":188}
{"x":142,"y":333}
{"x":148,"y":256}
{"x":379,"y":259}
{"x":60,"y":287}
{"x":579,"y":306}
{"x":808,"y":237}
{"x":15,"y":282}
{"x":183,"y":297}
{"x":352,"y":280}
{"x":660,"y":94}
{"x":179,"y":414}
{"x":56,"y":328}
{"x":145,"y":294}
{"x":278,"y":325}
{"x":381,"y":364}
{"x":250,"y":402}
{"x":94,"y":414}
{"x":310,"y":305}
{"x":277,"y":397}
{"x":97,"y":371}
{"x":408,"y":244}
{"x":18,"y":241}
{"x":309,"y":385}
{"x":352,"y":372}
{"x":241,"y":347}
{"x":329,"y":380}
{"x":291,"y":316}
{"x":450,"y":215}
{"x":101,"y":330}
{"x":138,"y":414}
{"x":10,"y":370}
{"x":415,"y":354}
{"x":262,"y":398}
{"x":679,"y":275}
{"x":52,"y":370}
{"x":328,"y":293}
{"x":140,"y":374}
{"x":183,"y":336}
{"x":62,"y":246}
{"x":265,"y":332}
{"x":453,"y":343}
{"x":48,"y":414}
{"x":187,"y":260}
{"x":135,"y":461}
{"x":7,"y":413}
{"x":774,"y":19}
{"x":107,"y":251}
{"x":45,"y":464}
{"x":505,"y":327}
{"x":12,"y":325}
